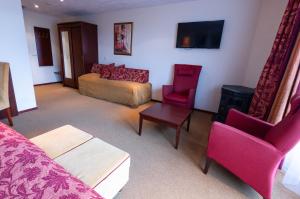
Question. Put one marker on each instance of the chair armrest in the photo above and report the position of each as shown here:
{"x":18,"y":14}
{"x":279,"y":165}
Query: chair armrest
{"x":250,"y":158}
{"x":247,"y":123}
{"x":167,"y":89}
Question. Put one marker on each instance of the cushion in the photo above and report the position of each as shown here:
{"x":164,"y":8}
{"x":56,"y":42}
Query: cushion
{"x":121,"y":66}
{"x":118,"y":74}
{"x":130,"y":74}
{"x":95,"y":159}
{"x":106,"y":71}
{"x":63,"y":139}
{"x":96,"y":68}
{"x":177,"y":97}
{"x":114,"y":183}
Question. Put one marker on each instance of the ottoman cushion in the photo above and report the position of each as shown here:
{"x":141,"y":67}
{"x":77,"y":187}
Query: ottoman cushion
{"x":61,"y":140}
{"x":95,"y":160}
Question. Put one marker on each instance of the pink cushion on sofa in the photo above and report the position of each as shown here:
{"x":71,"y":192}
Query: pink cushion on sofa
{"x":96,"y":68}
{"x":106,"y":71}
{"x":121,"y":66}
{"x":130,"y":74}
{"x":118,"y":74}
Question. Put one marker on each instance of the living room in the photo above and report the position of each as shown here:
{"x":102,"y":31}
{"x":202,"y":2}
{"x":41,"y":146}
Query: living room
{"x":45,"y":98}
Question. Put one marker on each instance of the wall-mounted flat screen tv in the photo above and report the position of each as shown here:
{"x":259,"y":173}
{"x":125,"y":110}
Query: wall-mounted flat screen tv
{"x":204,"y":34}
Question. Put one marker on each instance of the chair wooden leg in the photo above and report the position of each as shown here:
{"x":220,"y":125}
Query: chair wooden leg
{"x":207,"y":164}
{"x":188,"y":123}
{"x":9,"y":117}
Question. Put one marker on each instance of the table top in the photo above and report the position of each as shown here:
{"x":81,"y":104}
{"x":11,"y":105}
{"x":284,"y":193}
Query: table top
{"x":167,"y":113}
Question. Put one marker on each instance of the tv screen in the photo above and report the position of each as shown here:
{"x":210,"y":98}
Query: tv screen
{"x":206,"y":34}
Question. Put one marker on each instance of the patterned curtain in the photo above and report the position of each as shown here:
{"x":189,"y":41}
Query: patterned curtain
{"x":277,"y":62}
{"x":287,"y":87}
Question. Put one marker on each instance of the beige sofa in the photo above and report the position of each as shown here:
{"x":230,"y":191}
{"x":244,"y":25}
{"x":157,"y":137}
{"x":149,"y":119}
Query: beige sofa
{"x":123,"y":92}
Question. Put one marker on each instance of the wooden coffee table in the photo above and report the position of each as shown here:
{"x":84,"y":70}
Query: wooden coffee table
{"x":170,"y":115}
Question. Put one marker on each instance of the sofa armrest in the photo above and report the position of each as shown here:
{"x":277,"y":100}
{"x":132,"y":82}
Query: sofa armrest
{"x":247,"y":123}
{"x":250,"y":158}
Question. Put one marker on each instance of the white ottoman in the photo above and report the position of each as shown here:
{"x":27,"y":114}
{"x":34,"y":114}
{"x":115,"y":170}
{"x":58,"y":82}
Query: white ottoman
{"x":98,"y":164}
{"x":61,"y":140}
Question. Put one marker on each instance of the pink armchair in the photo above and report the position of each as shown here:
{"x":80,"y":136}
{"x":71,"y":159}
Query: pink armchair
{"x":183,"y":91}
{"x":253,"y":149}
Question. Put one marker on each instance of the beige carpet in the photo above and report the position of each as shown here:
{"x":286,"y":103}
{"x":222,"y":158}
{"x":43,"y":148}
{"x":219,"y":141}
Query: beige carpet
{"x":158,"y":171}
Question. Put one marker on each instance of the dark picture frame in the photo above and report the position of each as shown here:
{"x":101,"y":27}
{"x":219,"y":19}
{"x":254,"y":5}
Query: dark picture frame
{"x":123,"y":38}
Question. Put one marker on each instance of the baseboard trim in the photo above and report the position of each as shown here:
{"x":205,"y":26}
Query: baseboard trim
{"x":28,"y":110}
{"x":47,"y":83}
{"x":195,"y":109}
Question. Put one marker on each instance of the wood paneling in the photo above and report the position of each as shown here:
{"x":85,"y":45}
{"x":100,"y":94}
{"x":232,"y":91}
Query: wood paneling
{"x":43,"y":46}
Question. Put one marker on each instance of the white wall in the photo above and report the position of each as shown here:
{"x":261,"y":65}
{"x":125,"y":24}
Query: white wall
{"x":270,"y":16}
{"x":154,"y":39}
{"x":44,"y":74}
{"x":13,"y":49}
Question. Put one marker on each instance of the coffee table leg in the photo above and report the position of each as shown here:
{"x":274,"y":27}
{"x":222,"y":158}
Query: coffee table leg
{"x":141,"y":126}
{"x":188,"y":123}
{"x":177,"y":137}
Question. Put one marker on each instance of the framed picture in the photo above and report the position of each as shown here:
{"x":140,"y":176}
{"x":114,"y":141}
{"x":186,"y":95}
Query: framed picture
{"x":123,"y":38}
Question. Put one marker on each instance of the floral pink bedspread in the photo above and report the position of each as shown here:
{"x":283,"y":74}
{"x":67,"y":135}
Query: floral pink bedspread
{"x":26,"y":172}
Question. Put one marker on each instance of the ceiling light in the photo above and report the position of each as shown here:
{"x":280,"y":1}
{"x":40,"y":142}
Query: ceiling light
{"x":61,"y":0}
{"x":36,"y":6}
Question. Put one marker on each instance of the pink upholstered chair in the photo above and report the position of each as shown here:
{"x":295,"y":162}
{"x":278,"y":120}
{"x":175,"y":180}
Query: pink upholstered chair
{"x":253,"y":149}
{"x":183,"y":91}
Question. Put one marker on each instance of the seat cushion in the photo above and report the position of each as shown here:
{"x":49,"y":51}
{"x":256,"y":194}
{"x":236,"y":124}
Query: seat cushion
{"x":61,"y":140}
{"x":96,"y":68}
{"x":113,"y":184}
{"x":130,"y":74}
{"x":176,"y":97}
{"x":95,"y":160}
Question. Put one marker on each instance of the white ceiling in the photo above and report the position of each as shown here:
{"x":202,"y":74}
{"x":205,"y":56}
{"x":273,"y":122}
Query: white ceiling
{"x":86,"y":7}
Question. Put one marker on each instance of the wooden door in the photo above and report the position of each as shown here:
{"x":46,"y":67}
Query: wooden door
{"x":68,"y":73}
{"x":78,"y":58}
{"x":89,"y":45}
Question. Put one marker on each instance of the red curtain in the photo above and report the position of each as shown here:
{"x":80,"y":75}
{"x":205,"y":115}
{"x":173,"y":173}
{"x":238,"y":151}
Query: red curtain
{"x":277,"y":62}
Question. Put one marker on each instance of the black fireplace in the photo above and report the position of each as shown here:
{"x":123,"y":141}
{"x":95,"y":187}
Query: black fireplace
{"x":233,"y":96}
